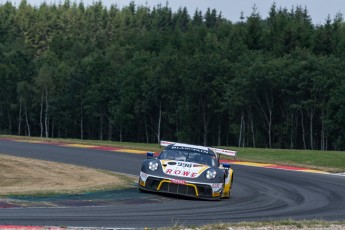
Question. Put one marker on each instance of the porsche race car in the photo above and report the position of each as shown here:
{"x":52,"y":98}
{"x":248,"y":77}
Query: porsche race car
{"x":187,"y":170}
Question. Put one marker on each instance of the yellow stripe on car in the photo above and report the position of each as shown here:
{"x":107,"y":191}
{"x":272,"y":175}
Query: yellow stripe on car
{"x":202,"y":169}
{"x":216,"y":194}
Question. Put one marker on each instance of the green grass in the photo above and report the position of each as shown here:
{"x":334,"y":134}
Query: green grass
{"x":331,"y":161}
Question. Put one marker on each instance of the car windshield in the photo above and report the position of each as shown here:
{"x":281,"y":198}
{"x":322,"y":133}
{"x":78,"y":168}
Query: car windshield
{"x":188,"y":156}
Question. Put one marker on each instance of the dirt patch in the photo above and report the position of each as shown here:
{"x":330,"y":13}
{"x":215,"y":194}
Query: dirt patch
{"x":24,"y":176}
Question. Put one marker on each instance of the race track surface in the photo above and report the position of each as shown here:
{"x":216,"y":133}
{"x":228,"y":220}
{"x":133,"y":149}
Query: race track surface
{"x":258,"y":194}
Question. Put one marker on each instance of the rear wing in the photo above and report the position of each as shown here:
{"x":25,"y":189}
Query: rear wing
{"x":166,"y":143}
{"x":226,"y":152}
{"x":216,"y":150}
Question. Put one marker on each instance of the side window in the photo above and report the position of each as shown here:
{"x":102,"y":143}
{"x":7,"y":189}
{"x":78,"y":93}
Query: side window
{"x":163,"y":155}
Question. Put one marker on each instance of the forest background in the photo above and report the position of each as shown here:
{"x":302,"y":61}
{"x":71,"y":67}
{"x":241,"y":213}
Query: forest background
{"x":144,"y":74}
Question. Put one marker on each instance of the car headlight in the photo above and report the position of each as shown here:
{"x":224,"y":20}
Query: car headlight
{"x":211,"y":174}
{"x":153,"y":165}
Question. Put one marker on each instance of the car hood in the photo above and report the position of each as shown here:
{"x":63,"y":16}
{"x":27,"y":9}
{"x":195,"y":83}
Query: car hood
{"x":182,"y":168}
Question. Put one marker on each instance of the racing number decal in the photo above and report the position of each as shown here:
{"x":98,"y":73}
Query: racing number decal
{"x":182,"y":164}
{"x":183,"y":169}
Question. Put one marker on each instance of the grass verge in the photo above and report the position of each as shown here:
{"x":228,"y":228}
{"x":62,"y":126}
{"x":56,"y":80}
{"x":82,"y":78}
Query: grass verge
{"x":24,"y":176}
{"x":330,"y":161}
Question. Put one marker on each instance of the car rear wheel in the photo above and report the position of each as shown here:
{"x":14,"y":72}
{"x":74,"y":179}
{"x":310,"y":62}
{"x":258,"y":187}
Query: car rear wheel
{"x":227,"y":196}
{"x":232,"y":180}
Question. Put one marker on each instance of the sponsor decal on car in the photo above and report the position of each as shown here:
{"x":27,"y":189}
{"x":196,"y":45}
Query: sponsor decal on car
{"x":182,"y":173}
{"x":180,"y":147}
{"x":198,"y":165}
{"x":174,"y":181}
{"x":183,"y":169}
{"x":183,"y":164}
{"x":143,"y":176}
{"x":217,"y":185}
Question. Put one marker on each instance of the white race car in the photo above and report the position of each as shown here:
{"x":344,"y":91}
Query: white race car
{"x":187,"y":170}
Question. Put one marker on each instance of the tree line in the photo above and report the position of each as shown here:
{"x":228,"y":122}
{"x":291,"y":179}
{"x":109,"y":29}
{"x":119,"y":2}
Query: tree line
{"x":144,"y":73}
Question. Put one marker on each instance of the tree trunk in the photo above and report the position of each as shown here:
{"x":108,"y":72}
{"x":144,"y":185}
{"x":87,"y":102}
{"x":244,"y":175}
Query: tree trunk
{"x":20,"y":117}
{"x":9,"y":122}
{"x":81,"y":123}
{"x":110,"y":130}
{"x":27,"y":121}
{"x":46,"y":115}
{"x":52,"y":129}
{"x":303,"y":131}
{"x":323,"y":136}
{"x":311,"y":116}
{"x":219,"y":132}
{"x":121,"y":135}
{"x":244,"y":133}
{"x":41,"y":115}
{"x":229,"y":129}
{"x":177,"y":126}
{"x":252,"y":127}
{"x":146,"y":131}
{"x":241,"y":128}
{"x":205,"y":124}
{"x":292,"y":131}
{"x":268,"y":117}
{"x":59,"y":131}
{"x":159,"y":123}
{"x":101,"y":128}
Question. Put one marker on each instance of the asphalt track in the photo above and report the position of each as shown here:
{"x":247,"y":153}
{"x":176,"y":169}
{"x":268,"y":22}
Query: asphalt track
{"x":258,"y":194}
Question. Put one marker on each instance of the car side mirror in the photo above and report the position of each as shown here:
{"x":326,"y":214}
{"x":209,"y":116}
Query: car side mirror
{"x":226,"y":171}
{"x":150,"y":155}
{"x":225,"y":165}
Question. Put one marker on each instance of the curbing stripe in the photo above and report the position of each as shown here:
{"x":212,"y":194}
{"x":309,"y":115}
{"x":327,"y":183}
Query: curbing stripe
{"x":23,"y":227}
{"x":251,"y":164}
{"x":105,"y":148}
{"x":272,"y":166}
{"x":31,"y":141}
{"x":78,"y":146}
{"x":130,"y":151}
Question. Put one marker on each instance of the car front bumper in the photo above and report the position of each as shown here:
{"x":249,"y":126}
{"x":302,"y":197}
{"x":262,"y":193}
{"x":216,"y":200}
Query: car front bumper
{"x":180,"y":187}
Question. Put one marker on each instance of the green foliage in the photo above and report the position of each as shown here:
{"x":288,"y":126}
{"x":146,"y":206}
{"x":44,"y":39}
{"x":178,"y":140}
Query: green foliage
{"x":141,"y":73}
